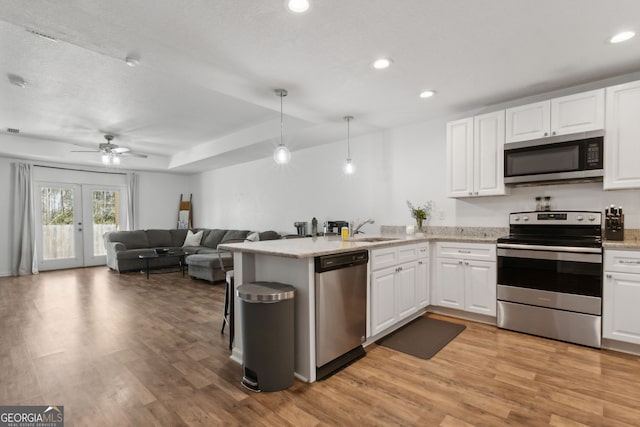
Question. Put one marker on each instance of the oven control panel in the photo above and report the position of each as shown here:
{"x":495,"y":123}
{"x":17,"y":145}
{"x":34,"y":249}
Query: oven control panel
{"x":560,"y":218}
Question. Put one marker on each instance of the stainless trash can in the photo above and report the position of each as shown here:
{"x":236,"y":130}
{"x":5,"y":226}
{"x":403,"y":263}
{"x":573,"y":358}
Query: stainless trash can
{"x":267,"y":317}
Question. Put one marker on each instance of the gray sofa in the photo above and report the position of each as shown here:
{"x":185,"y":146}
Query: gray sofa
{"x":124,"y":247}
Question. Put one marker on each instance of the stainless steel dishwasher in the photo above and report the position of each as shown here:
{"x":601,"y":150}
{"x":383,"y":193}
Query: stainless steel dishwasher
{"x":341,"y":310}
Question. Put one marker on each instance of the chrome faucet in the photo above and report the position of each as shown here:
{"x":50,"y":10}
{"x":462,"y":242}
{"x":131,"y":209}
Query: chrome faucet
{"x":356,"y":230}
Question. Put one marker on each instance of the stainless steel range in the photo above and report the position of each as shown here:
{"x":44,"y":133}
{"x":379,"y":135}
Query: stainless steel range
{"x":550,"y":276}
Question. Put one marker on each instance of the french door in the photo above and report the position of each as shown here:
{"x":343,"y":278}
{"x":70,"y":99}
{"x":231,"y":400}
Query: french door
{"x":71,"y":220}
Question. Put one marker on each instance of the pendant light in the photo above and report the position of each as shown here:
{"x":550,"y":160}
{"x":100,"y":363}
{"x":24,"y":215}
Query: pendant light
{"x":349,"y":168}
{"x":282,"y":155}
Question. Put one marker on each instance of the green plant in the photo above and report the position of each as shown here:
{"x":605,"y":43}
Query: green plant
{"x":420,"y":212}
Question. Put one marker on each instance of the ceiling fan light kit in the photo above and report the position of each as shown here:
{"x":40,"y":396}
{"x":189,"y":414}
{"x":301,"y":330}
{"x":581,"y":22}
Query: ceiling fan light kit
{"x":110,"y":153}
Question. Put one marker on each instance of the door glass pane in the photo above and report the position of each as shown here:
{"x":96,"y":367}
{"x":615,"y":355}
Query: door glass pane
{"x":105,"y":207}
{"x":57,"y":223}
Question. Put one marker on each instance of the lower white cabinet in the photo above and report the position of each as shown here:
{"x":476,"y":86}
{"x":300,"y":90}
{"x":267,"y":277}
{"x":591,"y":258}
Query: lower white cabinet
{"x":466,"y":277}
{"x":422,"y":286}
{"x":399,"y":290}
{"x":621,"y":296}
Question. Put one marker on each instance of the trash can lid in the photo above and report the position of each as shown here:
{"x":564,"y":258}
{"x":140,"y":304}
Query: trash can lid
{"x":265,"y":292}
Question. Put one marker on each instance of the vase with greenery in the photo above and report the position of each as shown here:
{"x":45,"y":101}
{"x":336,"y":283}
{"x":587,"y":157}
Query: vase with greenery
{"x":421,"y":213}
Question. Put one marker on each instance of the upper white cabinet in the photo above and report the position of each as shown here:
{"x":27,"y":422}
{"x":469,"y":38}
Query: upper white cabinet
{"x":622,"y":136}
{"x":581,"y":112}
{"x":475,"y":156}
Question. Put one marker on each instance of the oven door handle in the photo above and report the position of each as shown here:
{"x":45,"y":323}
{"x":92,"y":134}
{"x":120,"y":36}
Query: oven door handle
{"x":550,"y":248}
{"x":549,"y":255}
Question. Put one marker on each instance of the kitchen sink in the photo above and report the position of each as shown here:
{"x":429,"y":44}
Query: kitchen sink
{"x":372,"y":239}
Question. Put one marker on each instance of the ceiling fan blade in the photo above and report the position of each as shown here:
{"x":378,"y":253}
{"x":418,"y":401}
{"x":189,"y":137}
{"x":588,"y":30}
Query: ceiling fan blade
{"x":85,"y":151}
{"x":120,"y":150}
{"x":131,"y":153}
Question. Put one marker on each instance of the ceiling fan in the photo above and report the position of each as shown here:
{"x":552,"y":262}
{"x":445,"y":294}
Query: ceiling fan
{"x":111,"y":152}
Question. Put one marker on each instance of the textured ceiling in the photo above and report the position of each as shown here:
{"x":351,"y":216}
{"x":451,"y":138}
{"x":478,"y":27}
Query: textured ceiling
{"x":202,"y":95}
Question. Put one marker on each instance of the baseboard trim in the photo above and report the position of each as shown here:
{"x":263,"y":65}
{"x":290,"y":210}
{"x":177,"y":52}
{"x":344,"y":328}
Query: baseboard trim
{"x":474,"y":317}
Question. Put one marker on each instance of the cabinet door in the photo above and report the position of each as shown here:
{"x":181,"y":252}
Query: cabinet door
{"x":529,"y":121}
{"x":422,"y":286}
{"x":581,"y":112}
{"x":488,"y":148}
{"x":383,"y":312}
{"x":622,"y":130}
{"x":449,"y":283}
{"x":480,"y":287}
{"x":620,"y":316}
{"x":406,"y":280}
{"x":460,"y":158}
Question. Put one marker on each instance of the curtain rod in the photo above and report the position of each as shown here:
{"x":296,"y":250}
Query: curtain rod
{"x":79,"y":170}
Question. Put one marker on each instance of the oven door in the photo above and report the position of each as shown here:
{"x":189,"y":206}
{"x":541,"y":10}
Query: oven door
{"x":557,"y":269}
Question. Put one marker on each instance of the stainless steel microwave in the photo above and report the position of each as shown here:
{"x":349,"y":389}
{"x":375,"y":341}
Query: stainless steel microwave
{"x":567,"y":157}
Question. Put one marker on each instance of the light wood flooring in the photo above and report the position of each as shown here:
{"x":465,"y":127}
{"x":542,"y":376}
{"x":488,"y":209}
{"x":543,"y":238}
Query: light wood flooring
{"x":118,"y":350}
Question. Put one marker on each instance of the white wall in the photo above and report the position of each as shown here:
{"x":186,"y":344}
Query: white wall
{"x":159,"y":199}
{"x":261,"y":195}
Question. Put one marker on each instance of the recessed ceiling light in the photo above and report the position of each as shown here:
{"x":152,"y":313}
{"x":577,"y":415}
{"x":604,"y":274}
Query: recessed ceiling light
{"x":381,"y":63}
{"x":17,"y":80}
{"x":427,"y":93}
{"x":132,"y":60}
{"x":622,"y":37}
{"x":298,"y":6}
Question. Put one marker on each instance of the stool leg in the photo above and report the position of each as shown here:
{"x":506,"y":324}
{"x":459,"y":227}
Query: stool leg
{"x":226,"y":306}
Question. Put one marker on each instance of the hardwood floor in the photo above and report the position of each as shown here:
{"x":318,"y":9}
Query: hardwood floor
{"x":123,"y":350}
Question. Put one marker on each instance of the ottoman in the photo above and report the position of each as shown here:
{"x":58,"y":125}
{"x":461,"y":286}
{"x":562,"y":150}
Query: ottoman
{"x":207,"y":266}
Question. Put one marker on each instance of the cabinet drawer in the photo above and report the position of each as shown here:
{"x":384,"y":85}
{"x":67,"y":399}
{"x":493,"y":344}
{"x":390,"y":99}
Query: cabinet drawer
{"x":407,"y":253}
{"x":423,"y":250}
{"x":383,"y":258}
{"x":392,"y":256}
{"x":622,"y":261}
{"x":476,"y":251}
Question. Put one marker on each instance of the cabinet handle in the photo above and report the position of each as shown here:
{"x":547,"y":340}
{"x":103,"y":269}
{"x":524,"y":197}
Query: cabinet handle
{"x":553,"y":133}
{"x":628,"y":262}
{"x":460,"y":262}
{"x":460,"y":251}
{"x":420,"y":262}
{"x":608,"y":276}
{"x":471,"y":193}
{"x":466,"y":263}
{"x":546,"y":134}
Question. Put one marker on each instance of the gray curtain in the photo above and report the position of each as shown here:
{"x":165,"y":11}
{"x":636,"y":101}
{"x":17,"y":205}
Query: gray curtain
{"x":24,"y":228}
{"x":132,"y":193}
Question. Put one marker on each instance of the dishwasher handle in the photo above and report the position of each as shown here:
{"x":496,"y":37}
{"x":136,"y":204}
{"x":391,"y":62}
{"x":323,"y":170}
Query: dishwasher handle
{"x":341,"y":260}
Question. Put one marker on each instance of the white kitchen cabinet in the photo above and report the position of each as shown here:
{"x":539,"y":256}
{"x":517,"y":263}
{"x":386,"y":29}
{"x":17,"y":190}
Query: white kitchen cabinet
{"x":622,"y":133}
{"x":581,"y":112}
{"x":621,"y":296}
{"x":466,"y":277}
{"x":475,"y":156}
{"x":395,"y":288}
{"x":422,"y":287}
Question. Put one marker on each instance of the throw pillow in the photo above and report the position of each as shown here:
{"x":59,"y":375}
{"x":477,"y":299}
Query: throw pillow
{"x":253,"y":237}
{"x":192,"y":239}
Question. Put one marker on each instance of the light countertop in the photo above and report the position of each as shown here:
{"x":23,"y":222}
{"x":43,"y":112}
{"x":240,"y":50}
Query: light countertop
{"x":631,"y":241}
{"x":309,"y":247}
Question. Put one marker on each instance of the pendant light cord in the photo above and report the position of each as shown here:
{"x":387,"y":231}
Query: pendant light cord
{"x":348,"y":137}
{"x":281,"y":120}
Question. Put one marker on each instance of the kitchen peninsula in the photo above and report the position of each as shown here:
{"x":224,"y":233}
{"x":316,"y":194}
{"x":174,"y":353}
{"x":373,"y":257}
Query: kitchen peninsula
{"x":291,"y":261}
